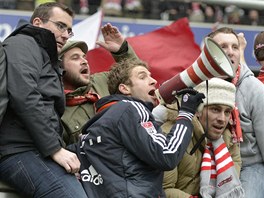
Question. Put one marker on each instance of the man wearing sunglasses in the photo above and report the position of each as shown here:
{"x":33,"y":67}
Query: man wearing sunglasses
{"x":32,"y":155}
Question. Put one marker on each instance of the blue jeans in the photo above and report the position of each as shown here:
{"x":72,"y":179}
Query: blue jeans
{"x":252,"y":179}
{"x":39,"y":177}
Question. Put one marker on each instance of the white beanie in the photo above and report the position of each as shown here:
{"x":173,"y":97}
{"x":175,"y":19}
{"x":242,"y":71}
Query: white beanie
{"x":219,"y":91}
{"x":160,"y":113}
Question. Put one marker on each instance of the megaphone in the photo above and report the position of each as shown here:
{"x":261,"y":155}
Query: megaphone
{"x":212,"y":62}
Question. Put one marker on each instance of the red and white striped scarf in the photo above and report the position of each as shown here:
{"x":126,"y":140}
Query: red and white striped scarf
{"x":218,"y":175}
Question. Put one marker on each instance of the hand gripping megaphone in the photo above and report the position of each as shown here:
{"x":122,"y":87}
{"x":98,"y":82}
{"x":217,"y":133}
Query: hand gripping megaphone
{"x":212,"y":62}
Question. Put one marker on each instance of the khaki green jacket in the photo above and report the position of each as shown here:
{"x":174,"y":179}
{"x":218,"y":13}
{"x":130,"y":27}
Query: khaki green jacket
{"x":75,"y":117}
{"x":184,"y":180}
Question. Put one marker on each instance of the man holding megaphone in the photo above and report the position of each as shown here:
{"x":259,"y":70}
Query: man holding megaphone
{"x":123,"y":151}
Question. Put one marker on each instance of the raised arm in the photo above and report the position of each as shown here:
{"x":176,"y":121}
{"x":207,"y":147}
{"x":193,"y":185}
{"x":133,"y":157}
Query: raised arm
{"x":115,"y":43}
{"x":242,"y":46}
{"x":113,"y":39}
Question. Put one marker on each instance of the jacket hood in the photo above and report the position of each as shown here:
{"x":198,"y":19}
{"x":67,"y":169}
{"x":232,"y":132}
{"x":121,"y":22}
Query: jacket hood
{"x":244,"y":73}
{"x":118,"y":97}
{"x":109,"y":99}
{"x":44,"y":37}
{"x":103,"y":104}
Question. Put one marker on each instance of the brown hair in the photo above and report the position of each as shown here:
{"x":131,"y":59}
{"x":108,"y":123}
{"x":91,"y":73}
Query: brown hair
{"x":120,"y":73}
{"x":44,"y":11}
{"x":225,"y":30}
{"x":259,"y":46}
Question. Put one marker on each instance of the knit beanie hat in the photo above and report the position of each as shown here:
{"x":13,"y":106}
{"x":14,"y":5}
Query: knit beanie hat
{"x":259,"y":46}
{"x":160,"y":113}
{"x":219,"y":92}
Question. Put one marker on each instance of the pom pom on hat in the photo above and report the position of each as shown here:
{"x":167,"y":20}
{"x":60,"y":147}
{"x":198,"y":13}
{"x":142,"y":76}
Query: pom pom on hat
{"x":219,"y":92}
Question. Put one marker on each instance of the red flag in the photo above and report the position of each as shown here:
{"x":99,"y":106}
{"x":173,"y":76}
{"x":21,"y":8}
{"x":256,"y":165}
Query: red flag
{"x":168,"y":51}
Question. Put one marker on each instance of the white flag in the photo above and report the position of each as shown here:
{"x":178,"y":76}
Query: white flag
{"x":88,"y":29}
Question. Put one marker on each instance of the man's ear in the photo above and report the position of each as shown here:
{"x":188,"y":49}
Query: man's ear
{"x":124,"y":89}
{"x":37,"y":22}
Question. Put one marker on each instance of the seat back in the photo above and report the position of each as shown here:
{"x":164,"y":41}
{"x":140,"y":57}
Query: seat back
{"x":8,"y":192}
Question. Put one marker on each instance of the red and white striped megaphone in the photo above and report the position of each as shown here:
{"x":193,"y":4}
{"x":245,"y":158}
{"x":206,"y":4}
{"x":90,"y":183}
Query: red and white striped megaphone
{"x":212,"y":62}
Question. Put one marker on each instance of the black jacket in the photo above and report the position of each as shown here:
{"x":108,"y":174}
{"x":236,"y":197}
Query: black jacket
{"x":3,"y":91}
{"x":124,"y":152}
{"x":36,"y":98}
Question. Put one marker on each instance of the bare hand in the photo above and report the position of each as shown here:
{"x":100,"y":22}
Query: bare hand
{"x":242,"y":41}
{"x":112,"y":37}
{"x":67,"y":159}
{"x":242,"y":46}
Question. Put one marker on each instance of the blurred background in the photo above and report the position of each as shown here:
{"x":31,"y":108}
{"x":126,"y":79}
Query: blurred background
{"x":210,"y":11}
{"x":135,"y":17}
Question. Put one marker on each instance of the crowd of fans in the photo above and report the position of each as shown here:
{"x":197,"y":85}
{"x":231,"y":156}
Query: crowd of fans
{"x":120,"y":141}
{"x":154,"y":9}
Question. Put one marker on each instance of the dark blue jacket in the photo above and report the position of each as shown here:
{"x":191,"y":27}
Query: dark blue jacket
{"x":124,"y":151}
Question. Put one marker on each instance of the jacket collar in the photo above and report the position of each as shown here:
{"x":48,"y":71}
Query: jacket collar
{"x":107,"y":102}
{"x":118,"y":97}
{"x":44,"y":37}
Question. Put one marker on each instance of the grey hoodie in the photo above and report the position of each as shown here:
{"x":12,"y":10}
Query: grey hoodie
{"x":250,"y":102}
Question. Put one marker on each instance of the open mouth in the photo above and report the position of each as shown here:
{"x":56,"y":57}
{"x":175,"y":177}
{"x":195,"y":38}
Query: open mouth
{"x":152,"y":92}
{"x":218,"y":127}
{"x":84,"y":71}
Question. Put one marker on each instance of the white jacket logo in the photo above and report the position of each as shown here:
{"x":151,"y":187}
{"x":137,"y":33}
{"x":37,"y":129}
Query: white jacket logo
{"x":92,"y":176}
